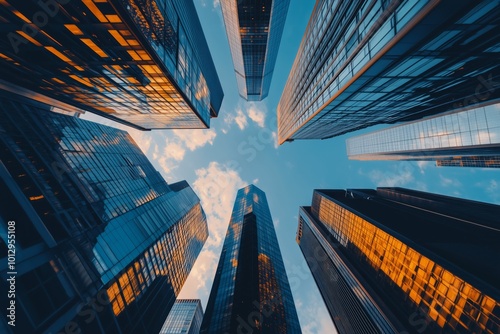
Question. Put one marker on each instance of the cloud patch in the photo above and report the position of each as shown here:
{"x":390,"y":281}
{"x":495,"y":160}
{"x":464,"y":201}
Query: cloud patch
{"x":196,"y":138}
{"x":256,"y":114}
{"x":216,"y":186}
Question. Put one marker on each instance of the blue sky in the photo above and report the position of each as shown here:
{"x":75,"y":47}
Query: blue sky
{"x":240,"y":148}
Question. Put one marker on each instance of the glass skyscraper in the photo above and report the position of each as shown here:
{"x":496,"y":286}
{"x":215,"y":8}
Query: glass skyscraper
{"x":250,"y":292}
{"x":103,"y":243}
{"x":254,"y":29}
{"x":142,"y":63}
{"x":184,"y":318}
{"x":468,"y":138}
{"x":362,"y":63}
{"x":394,"y":260}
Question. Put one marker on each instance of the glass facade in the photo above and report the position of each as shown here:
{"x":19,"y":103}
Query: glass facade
{"x":104,"y":244}
{"x":362,"y":63}
{"x":254,"y":30}
{"x":471,"y":161}
{"x":184,"y":318}
{"x":142,"y":63}
{"x":464,"y":134}
{"x":250,"y":292}
{"x":423,"y":262}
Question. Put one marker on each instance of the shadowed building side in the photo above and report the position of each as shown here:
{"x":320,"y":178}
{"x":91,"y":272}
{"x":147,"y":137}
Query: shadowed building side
{"x":396,"y":260}
{"x":103,"y":243}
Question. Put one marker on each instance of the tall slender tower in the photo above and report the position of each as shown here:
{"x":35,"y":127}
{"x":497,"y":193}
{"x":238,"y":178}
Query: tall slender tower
{"x":142,"y":63}
{"x":254,"y":29}
{"x":367,"y":62}
{"x":102,"y":243}
{"x":469,"y":138}
{"x":395,"y":260}
{"x":250,"y":292}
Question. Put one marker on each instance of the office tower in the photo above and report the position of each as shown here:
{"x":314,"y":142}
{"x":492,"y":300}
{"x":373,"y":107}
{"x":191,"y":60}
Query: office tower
{"x":103,"y":244}
{"x":142,"y":63}
{"x":184,"y":317}
{"x":254,"y":30}
{"x":394,"y":260}
{"x":469,"y":138}
{"x":250,"y":292}
{"x":362,"y":63}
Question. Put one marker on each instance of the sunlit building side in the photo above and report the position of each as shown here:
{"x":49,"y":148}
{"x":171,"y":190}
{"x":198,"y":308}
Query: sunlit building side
{"x":142,"y":63}
{"x":394,"y":260}
{"x":254,"y":30}
{"x":103,"y":243}
{"x":362,"y":63}
{"x":468,"y":138}
{"x":250,"y":291}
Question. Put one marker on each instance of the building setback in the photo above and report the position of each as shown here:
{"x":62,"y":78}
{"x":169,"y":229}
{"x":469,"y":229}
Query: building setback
{"x":142,"y":63}
{"x":468,"y":138}
{"x":362,"y":63}
{"x":103,"y":243}
{"x":394,"y":260}
{"x":254,"y":30}
{"x":184,"y":317}
{"x":250,"y":292}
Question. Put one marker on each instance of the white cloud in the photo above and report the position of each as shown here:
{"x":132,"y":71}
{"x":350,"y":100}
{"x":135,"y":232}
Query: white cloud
{"x":423,"y":165}
{"x":255,"y":114}
{"x":240,"y":119}
{"x":275,"y":139}
{"x":448,"y":182}
{"x":400,"y":177}
{"x":314,"y":318}
{"x":174,"y":150}
{"x":193,"y":139}
{"x":216,"y":186}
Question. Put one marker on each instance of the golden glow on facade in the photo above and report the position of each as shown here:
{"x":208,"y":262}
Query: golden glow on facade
{"x":446,"y":297}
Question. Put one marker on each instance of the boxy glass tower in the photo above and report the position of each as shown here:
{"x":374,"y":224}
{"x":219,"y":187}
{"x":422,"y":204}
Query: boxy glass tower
{"x":362,"y":63}
{"x":142,"y":63}
{"x":103,"y":244}
{"x":394,"y":260}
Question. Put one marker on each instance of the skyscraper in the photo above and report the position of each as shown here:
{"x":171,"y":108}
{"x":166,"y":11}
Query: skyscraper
{"x":102,"y":243}
{"x":470,"y":138}
{"x":184,"y":317}
{"x":250,"y":292}
{"x":394,"y":260}
{"x":362,"y":63}
{"x":142,"y":63}
{"x":254,"y":30}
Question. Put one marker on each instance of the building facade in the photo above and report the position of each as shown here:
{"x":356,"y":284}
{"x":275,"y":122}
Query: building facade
{"x":394,"y":260}
{"x":142,"y":63}
{"x":254,"y":30}
{"x":250,"y":292}
{"x":184,"y":318}
{"x":362,"y":63}
{"x":102,"y":243}
{"x":468,"y":138}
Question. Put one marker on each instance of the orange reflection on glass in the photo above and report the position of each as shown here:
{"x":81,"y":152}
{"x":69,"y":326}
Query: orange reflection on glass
{"x":59,"y":54}
{"x":90,"y":43}
{"x":447,"y":298}
{"x":73,"y":28}
{"x":93,"y":8}
{"x":28,"y":37}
